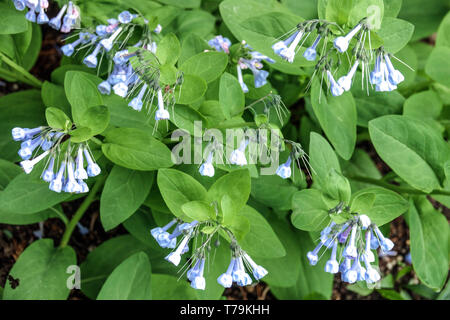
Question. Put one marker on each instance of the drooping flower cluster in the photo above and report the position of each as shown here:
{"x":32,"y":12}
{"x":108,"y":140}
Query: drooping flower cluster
{"x":384,"y":76}
{"x":352,"y":243}
{"x":67,"y":18}
{"x":284,"y":170}
{"x":195,"y":266}
{"x":245,"y":58}
{"x":63,"y":170}
{"x":138,"y":82}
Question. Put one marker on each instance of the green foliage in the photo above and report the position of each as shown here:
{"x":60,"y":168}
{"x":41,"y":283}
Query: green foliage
{"x":380,"y":154}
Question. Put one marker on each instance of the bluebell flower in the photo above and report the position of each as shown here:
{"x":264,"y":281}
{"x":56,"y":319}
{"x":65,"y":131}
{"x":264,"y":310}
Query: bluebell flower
{"x":161,"y":113}
{"x":55,"y":22}
{"x":335,"y":88}
{"x":136,"y":103}
{"x":237,"y":157}
{"x":104,"y":88}
{"x":236,"y":271}
{"x":258,"y":271}
{"x":385,"y":243}
{"x":194,"y":271}
{"x":92,"y":169}
{"x":19,"y":4}
{"x":42,"y":18}
{"x":199,"y":281}
{"x":357,"y":249}
{"x":225,"y":279}
{"x":220,"y":43}
{"x":286,"y":49}
{"x":91,"y":60}
{"x":57,"y":183}
{"x":109,"y":42}
{"x":27,"y":165}
{"x":48,"y":174}
{"x":71,"y":184}
{"x":342,"y":43}
{"x":241,"y":79}
{"x":332,"y":266}
{"x":28,"y":146}
{"x":31,"y":16}
{"x":284,"y":170}
{"x":310,"y":53}
{"x":20,"y":134}
{"x":376,"y":76}
{"x":80,"y":172}
{"x":207,"y":169}
{"x":126,"y":17}
{"x":157,"y":231}
{"x":346,"y":81}
{"x":395,"y":77}
{"x":82,"y":229}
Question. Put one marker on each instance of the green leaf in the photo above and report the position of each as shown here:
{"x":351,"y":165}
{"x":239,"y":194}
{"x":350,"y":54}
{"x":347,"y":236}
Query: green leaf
{"x":207,"y":65}
{"x":42,"y":272}
{"x":168,"y":50}
{"x":429,"y":243}
{"x":322,"y":158}
{"x":124,"y":192}
{"x":368,"y":107}
{"x":95,"y":118}
{"x":165,"y":287}
{"x":426,"y":18}
{"x":192,"y":89}
{"x":199,"y":210}
{"x":130,"y":280}
{"x":337,"y":117}
{"x":192,"y":45}
{"x":8,"y":171}
{"x":81,"y":92}
{"x":261,"y":241}
{"x":362,"y":202}
{"x":395,"y":33}
{"x":260,"y":23}
{"x":80,"y":134}
{"x":273,"y":191}
{"x":280,"y":267}
{"x":312,"y":280}
{"x":411,"y":149}
{"x":438,"y":65}
{"x":185,"y":117}
{"x":178,"y":188}
{"x":57,"y":119}
{"x":443,"y":34}
{"x":309,"y":211}
{"x":136,"y":149}
{"x":386,"y":204}
{"x":337,"y":186}
{"x":197,"y":21}
{"x":53,"y":95}
{"x":390,"y":294}
{"x":27,"y":194}
{"x":11,"y":20}
{"x":20,"y":109}
{"x":231,"y":96}
{"x":236,"y":184}
{"x":106,"y":257}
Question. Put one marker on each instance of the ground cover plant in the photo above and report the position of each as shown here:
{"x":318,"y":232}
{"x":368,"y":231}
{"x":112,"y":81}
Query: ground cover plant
{"x":198,"y":149}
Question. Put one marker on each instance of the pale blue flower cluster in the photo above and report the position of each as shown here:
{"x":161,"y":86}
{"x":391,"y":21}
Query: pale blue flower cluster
{"x":236,"y":271}
{"x":67,"y":18}
{"x":351,"y":246}
{"x":250,"y":59}
{"x":63,"y":173}
{"x":384,"y":76}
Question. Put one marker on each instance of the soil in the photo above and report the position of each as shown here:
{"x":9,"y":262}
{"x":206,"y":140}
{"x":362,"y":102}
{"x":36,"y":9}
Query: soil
{"x":14,"y":239}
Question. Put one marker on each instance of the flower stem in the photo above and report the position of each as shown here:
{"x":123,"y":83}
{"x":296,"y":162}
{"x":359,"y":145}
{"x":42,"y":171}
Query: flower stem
{"x":23,"y":75}
{"x":398,"y":189}
{"x":81,"y":210}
